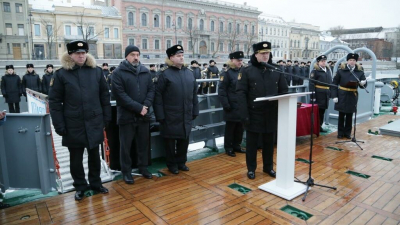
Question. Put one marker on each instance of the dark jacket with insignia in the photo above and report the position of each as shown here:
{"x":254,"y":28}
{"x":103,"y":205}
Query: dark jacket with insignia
{"x":154,"y":76}
{"x":212,"y":70}
{"x":288,"y":69}
{"x":11,"y":88}
{"x":46,"y":78}
{"x":321,"y":95}
{"x":176,"y":104}
{"x":296,"y":71}
{"x":256,"y":81}
{"x":196,"y":72}
{"x":105,"y":73}
{"x":79,"y":103}
{"x":227,"y":93}
{"x":31,"y":81}
{"x":347,"y":99}
{"x":132,"y":88}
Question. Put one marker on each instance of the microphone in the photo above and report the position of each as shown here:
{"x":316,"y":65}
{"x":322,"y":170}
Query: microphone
{"x":269,"y":66}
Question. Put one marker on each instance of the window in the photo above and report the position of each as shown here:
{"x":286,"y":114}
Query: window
{"x":179,"y":42}
{"x":80,"y":30}
{"x":201,"y":24}
{"x":131,"y":41}
{"x":237,"y":47}
{"x":237,"y":28}
{"x":169,"y":44}
{"x":190,"y":45}
{"x":212,"y":26}
{"x":116,"y":34}
{"x":156,"y":21}
{"x":245,"y":29}
{"x":8,"y":48}
{"x":144,"y":20}
{"x":6,"y":7}
{"x":49,"y":30}
{"x":252,"y":30}
{"x":157,"y":44}
{"x":91,"y":31}
{"x":190,"y":23}
{"x":212,"y":46}
{"x":230,"y":28}
{"x":37,"y":29}
{"x":291,"y":43}
{"x":130,"y":19}
{"x":21,"y":30}
{"x":221,"y":26}
{"x":168,"y":22}
{"x":18,"y":7}
{"x":144,"y":43}
{"x":8,"y":28}
{"x":68,"y":30}
{"x":230,"y":47}
{"x":274,"y":31}
{"x":179,"y":22}
{"x":106,"y":32}
{"x":266,"y":31}
{"x":245,"y":47}
{"x":221,"y":46}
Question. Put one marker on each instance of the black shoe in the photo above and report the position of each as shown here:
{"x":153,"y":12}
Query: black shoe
{"x":127,"y":177}
{"x":100,"y":189}
{"x":240,"y":150}
{"x":322,"y":130}
{"x":340,"y":136}
{"x":3,"y":206}
{"x":347,"y":136}
{"x":183,"y":167}
{"x":251,"y":175}
{"x":173,"y":170}
{"x":231,"y":153}
{"x":79,"y":195}
{"x":270,"y":172}
{"x":145,"y":173}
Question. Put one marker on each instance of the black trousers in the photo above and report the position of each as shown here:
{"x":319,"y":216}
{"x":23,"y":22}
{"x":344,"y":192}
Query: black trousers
{"x":13,"y":107}
{"x":321,"y":116}
{"x":345,"y":123}
{"x":77,"y":171}
{"x":233,"y":135}
{"x":267,"y":150}
{"x":176,"y":151}
{"x":140,"y":132}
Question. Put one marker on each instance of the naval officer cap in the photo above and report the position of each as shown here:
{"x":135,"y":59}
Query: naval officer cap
{"x":176,"y":49}
{"x":9,"y":67}
{"x":77,"y":46}
{"x":29,"y":65}
{"x":236,"y":55}
{"x":352,"y":56}
{"x":262,"y":47}
{"x":321,"y":57}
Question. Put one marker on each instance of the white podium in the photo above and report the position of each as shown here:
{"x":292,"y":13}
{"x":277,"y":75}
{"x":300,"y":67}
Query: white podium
{"x":284,"y":185}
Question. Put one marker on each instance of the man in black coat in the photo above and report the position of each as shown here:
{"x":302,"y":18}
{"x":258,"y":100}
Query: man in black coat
{"x":212,"y":73}
{"x":175,"y":107}
{"x":289,"y":69}
{"x":259,"y":118}
{"x":46,"y":79}
{"x":11,"y":89}
{"x":302,"y":72}
{"x":79,"y":103}
{"x":348,"y":77}
{"x":296,"y":71}
{"x":105,"y":70}
{"x":194,"y":66}
{"x":322,"y":73}
{"x":31,"y":80}
{"x":133,"y":88}
{"x":227,"y":96}
{"x":153,"y":72}
{"x":307,"y":69}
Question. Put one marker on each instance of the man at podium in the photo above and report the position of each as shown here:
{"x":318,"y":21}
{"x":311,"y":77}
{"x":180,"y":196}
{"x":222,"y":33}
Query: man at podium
{"x":259,"y":118}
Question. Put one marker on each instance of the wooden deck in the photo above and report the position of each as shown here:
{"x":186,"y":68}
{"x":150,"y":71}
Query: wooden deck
{"x":201,"y":196}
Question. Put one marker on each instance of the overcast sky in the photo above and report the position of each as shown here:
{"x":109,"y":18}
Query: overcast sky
{"x":330,"y":13}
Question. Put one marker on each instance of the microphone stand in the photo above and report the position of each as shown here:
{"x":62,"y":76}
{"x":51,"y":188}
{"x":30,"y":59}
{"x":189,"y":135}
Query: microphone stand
{"x":310,"y":181}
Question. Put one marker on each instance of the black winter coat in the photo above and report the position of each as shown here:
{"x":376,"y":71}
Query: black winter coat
{"x":79,"y":102}
{"x":46,"y":78}
{"x":154,"y":76}
{"x":31,"y":81}
{"x":176,"y":103}
{"x":288,"y":69}
{"x":196,"y":72}
{"x":321,"y":95}
{"x":296,"y":71}
{"x":105,"y":73}
{"x":256,"y":81}
{"x":227,"y":93}
{"x":347,"y":100}
{"x":11,"y":88}
{"x":132,"y":88}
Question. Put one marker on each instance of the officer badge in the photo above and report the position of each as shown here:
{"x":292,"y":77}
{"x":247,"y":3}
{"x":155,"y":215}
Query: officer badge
{"x":265,"y":45}
{"x":80,"y":44}
{"x":221,"y":78}
{"x":312,"y":75}
{"x":178,"y":47}
{"x":239,"y":76}
{"x":51,"y":82}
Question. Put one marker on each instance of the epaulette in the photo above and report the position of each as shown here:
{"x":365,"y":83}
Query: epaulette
{"x":189,"y":68}
{"x":164,"y":68}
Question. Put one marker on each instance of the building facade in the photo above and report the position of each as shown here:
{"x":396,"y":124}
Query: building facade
{"x":303,"y":41}
{"x":55,"y":25}
{"x":277,"y":31}
{"x":14,"y":42}
{"x":326,"y":42}
{"x":205,"y":29}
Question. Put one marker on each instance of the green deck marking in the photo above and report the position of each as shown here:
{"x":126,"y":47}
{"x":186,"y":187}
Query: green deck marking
{"x":382,"y":158}
{"x":296,"y":212}
{"x":239,"y":188}
{"x":334,"y":148}
{"x":365,"y":176}
{"x":303,"y":160}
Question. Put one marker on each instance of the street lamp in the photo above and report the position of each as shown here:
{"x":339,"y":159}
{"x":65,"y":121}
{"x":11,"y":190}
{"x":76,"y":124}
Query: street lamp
{"x":30,"y":24}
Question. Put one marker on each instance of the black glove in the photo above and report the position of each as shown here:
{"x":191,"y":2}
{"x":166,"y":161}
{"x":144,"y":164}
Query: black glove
{"x":246,"y":122}
{"x":194,"y":117}
{"x":161,"y":121}
{"x":61,"y":132}
{"x":228,"y":109}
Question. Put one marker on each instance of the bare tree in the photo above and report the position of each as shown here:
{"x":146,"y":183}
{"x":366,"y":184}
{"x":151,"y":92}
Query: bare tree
{"x":220,"y":35}
{"x":86,"y":28}
{"x":232,"y":39}
{"x":193,"y":38}
{"x":51,"y":34}
{"x":251,"y":38}
{"x":337,"y":31}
